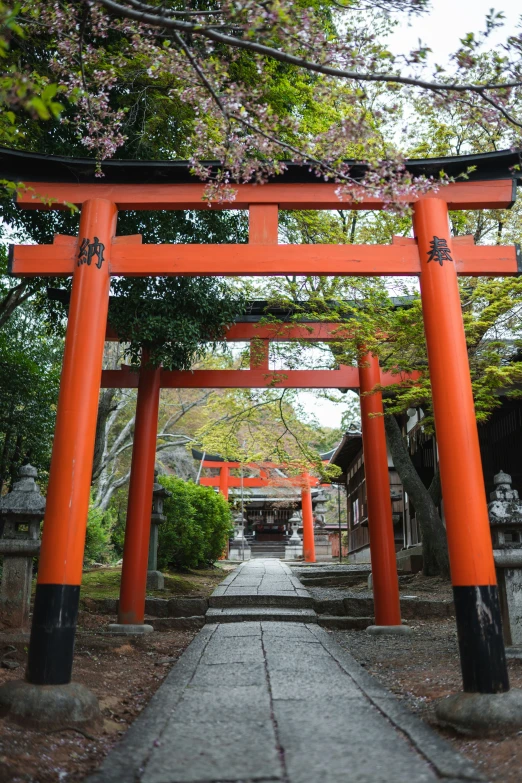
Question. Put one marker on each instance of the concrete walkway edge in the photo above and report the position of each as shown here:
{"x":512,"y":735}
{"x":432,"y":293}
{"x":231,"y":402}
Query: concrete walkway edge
{"x":129,"y":756}
{"x":436,"y":750}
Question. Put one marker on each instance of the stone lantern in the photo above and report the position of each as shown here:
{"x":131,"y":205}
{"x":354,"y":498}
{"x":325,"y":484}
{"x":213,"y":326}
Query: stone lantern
{"x":21,"y":512}
{"x":323,"y":546}
{"x":155,"y":579}
{"x":505,"y":517}
{"x":294,"y":546}
{"x":239,"y":546}
{"x":319,"y":505}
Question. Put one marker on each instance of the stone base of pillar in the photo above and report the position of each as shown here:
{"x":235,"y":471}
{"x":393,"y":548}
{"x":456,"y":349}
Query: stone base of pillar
{"x":119,"y":629}
{"x":514,"y":653}
{"x":239,"y":549}
{"x":482,"y":714}
{"x":49,"y":707}
{"x":323,"y":548}
{"x":383,"y":630}
{"x":155,"y":580}
{"x":294,"y":552}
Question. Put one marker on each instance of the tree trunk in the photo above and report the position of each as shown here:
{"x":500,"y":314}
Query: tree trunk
{"x":105,"y":408}
{"x":433,"y":533}
{"x":13,"y":299}
{"x":16,"y":459}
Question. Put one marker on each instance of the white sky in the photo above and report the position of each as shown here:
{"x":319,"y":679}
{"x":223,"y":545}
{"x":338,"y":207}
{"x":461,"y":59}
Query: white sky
{"x":441,"y":30}
{"x":448,"y":21}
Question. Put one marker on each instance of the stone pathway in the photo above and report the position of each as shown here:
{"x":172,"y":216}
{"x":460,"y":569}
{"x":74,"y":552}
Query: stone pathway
{"x":263,"y":701}
{"x":261,"y":590}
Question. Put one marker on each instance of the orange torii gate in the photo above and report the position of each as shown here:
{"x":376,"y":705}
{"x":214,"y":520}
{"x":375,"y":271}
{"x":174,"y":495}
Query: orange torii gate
{"x":149,"y":380}
{"x":305,"y":482}
{"x":434,"y":256}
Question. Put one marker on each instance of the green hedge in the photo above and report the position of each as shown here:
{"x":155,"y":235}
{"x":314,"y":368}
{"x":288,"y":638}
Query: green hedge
{"x":98,"y":540}
{"x":197,"y":528}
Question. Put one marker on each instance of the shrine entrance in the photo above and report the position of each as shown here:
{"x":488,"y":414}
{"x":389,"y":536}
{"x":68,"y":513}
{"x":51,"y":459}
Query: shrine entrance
{"x":98,"y":253}
{"x":267,"y":521}
{"x":149,"y":380}
{"x":270,"y":502}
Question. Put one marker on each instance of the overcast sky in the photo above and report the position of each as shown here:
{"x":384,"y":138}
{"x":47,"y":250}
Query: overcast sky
{"x":441,"y":30}
{"x":448,"y":21}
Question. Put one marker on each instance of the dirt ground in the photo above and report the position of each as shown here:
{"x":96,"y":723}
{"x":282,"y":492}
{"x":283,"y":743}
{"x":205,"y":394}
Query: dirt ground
{"x":425,"y":667}
{"x":123,"y":672}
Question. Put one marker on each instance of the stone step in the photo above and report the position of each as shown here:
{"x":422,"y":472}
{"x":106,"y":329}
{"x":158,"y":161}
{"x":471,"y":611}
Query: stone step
{"x":275,"y":600}
{"x":334,"y":580}
{"x":264,"y":551}
{"x":344,"y":623}
{"x":268,"y":547}
{"x":257,"y":613}
{"x":311,"y":571}
{"x":362,"y":606}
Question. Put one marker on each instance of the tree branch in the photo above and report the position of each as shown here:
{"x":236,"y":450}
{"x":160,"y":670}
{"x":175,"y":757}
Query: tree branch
{"x":158,"y":20}
{"x":13,"y":299}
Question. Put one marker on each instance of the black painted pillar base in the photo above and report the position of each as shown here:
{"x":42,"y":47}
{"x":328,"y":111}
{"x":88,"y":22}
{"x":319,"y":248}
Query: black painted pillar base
{"x":481,"y":643}
{"x":51,"y":646}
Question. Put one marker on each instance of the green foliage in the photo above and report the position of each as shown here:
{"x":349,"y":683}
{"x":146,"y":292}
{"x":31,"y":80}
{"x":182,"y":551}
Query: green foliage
{"x":386,"y":317}
{"x":28,"y":91}
{"x":257,"y":425}
{"x":29,"y":381}
{"x":174,"y":318}
{"x":105,"y":583}
{"x":98,"y":541}
{"x":118,"y":508}
{"x":198,"y":525}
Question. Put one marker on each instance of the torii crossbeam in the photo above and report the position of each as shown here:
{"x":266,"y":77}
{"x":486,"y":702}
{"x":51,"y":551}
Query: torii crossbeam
{"x":259,"y":375}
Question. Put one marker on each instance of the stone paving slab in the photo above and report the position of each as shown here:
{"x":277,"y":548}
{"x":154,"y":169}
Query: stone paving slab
{"x":246,"y":613}
{"x":264,"y":701}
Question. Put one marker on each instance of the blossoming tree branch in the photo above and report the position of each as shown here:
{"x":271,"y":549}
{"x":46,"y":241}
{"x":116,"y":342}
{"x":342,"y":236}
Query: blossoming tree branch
{"x":258,"y":82}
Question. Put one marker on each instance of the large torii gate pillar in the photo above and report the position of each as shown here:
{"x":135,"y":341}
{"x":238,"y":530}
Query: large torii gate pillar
{"x":380,"y":522}
{"x":475,"y":591}
{"x":55,"y":612}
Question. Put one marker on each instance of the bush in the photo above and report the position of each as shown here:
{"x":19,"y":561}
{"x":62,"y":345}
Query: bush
{"x":197,"y":527}
{"x":98,"y":547}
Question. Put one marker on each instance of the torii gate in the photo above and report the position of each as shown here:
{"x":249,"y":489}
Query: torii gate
{"x":224,"y":482}
{"x":98,"y":253}
{"x":149,"y":380}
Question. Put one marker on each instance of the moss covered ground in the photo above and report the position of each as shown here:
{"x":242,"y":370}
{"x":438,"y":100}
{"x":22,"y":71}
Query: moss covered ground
{"x":105,"y":583}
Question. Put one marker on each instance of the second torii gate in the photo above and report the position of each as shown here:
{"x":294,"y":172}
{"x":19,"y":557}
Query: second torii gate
{"x":149,"y":380}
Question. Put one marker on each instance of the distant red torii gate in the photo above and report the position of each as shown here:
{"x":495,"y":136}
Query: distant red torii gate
{"x":434,"y":256}
{"x":224,"y":482}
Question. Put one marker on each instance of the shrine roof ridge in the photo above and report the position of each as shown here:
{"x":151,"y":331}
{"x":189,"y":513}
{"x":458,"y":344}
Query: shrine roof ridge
{"x":345,"y":451}
{"x":258,"y":309}
{"x":18,"y":165}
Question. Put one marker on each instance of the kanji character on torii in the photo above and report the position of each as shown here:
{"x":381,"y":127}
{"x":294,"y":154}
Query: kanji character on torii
{"x":434,"y":256}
